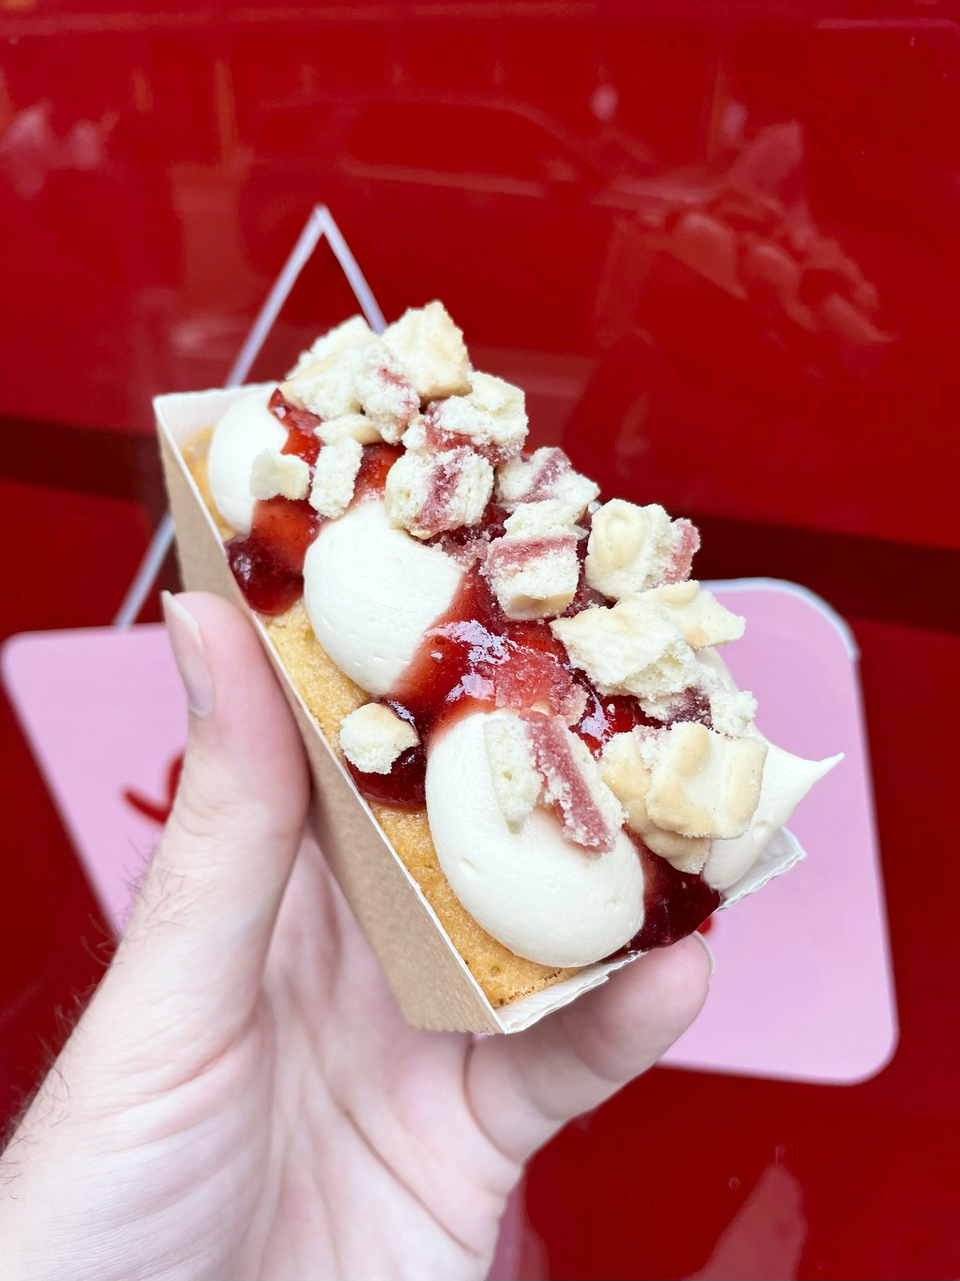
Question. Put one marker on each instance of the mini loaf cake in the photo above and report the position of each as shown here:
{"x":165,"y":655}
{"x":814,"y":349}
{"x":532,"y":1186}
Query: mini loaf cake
{"x":522,"y":680}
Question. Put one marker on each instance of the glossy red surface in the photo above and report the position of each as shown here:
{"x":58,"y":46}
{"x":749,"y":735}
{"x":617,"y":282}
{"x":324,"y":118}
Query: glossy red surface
{"x":732,"y":227}
{"x":716,"y":243}
{"x":268,"y":563}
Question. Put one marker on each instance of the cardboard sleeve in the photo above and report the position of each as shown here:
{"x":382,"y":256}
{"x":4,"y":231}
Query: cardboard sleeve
{"x":430,"y":980}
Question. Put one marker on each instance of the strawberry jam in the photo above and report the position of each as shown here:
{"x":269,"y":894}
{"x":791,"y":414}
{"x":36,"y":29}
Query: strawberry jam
{"x":268,"y":563}
{"x":404,"y":785}
{"x":674,"y":903}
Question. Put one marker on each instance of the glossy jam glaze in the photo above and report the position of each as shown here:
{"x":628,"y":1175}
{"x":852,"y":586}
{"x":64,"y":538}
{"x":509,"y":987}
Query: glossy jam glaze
{"x":474,"y":658}
{"x":268,"y":563}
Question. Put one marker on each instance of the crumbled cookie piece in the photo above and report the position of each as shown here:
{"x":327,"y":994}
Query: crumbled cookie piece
{"x":274,"y":474}
{"x":702,"y":783}
{"x":516,"y":782}
{"x":589,"y":812}
{"x":365,"y":379}
{"x":358,"y":426}
{"x":354,"y":332}
{"x":698,"y":614}
{"x":632,"y":549}
{"x":552,"y":516}
{"x":388,"y":397}
{"x":629,"y":648}
{"x":546,"y":474}
{"x":731,"y":710}
{"x":327,"y":388}
{"x":533,"y":575}
{"x":428,"y":494}
{"x":431,"y":351}
{"x":628,"y":777}
{"x":373,"y":736}
{"x":492,"y":418}
{"x":335,"y":476}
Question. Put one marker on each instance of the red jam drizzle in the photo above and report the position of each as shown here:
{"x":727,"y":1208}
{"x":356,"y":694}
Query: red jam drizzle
{"x":473,"y":658}
{"x":268,"y":563}
{"x":674,"y":903}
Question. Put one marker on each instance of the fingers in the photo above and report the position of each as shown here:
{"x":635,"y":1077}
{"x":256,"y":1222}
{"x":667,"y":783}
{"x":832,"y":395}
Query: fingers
{"x":200,"y":929}
{"x":524,"y":1087}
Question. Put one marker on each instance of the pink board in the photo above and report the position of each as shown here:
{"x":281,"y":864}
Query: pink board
{"x":803,"y":987}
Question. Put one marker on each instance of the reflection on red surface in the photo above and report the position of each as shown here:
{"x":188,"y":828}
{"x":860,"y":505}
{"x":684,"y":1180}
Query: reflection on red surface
{"x":717,"y":246}
{"x":744,"y":231}
{"x":157,"y":811}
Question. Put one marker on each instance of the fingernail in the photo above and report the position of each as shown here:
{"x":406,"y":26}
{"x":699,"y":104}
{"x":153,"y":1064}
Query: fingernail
{"x":709,"y":951}
{"x":189,"y":655}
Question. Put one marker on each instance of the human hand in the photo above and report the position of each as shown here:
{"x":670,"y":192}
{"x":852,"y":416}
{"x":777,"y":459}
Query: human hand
{"x":242,"y":1097}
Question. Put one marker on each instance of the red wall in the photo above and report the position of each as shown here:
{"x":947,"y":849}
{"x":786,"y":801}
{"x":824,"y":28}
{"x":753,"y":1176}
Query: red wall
{"x":719,"y":250}
{"x":717,"y":244}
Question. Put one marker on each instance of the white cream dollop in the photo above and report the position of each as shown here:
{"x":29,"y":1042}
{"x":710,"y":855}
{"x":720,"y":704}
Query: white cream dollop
{"x":786,"y":781}
{"x":371,"y":593}
{"x":543,"y":897}
{"x":244,"y":432}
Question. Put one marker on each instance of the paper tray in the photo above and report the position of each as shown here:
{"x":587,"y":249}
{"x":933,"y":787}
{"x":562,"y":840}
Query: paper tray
{"x":429,"y":978}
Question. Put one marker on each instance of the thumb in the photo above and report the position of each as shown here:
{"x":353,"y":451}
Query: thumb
{"x":196,"y":942}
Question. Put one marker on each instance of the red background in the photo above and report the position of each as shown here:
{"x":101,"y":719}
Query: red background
{"x":717,"y":244}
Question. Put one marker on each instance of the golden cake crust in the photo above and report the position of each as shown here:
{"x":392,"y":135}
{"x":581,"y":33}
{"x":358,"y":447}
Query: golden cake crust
{"x":330,"y":695}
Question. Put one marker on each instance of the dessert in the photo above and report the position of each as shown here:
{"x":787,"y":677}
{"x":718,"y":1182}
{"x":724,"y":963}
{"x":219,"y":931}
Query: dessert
{"x":523,"y":681}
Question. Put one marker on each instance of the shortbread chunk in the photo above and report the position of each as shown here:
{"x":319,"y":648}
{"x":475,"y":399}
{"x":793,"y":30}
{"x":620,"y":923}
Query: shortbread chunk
{"x":535,"y":760}
{"x":492,"y":418}
{"x":431,"y":351}
{"x":552,"y":516}
{"x":388,"y":398}
{"x":358,"y":426}
{"x":373,"y":736}
{"x":731,"y":710}
{"x":701,"y":782}
{"x":533,"y":575}
{"x":354,"y":332}
{"x":335,"y":476}
{"x":629,"y":648}
{"x":699,"y":615}
{"x":546,"y":474}
{"x":427,"y":494}
{"x":632,"y":549}
{"x":366,"y":379}
{"x":628,"y":777}
{"x":274,"y":474}
{"x":327,"y":388}
{"x":590,"y":813}
{"x":516,"y":782}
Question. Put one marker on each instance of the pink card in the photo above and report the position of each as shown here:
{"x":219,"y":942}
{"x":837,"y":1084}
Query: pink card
{"x":803,"y":987}
{"x":105,"y":713}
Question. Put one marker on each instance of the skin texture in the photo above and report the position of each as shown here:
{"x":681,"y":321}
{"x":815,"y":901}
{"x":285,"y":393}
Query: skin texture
{"x":242,"y":1098}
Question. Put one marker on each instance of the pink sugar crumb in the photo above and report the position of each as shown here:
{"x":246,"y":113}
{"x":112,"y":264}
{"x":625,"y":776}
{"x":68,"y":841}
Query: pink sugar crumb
{"x":565,"y":786}
{"x":686,"y":544}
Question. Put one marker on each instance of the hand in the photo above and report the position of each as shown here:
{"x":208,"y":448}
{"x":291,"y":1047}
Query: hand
{"x":242,"y":1097}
